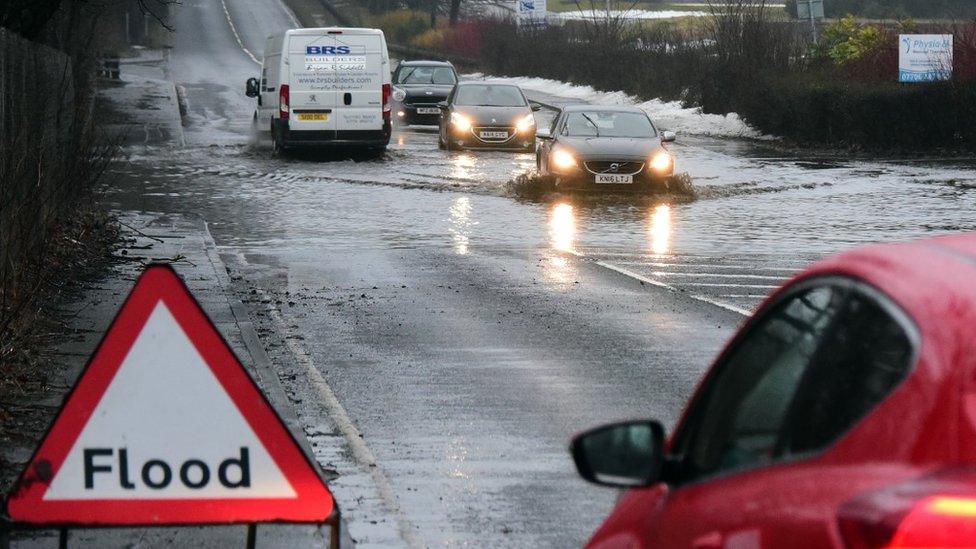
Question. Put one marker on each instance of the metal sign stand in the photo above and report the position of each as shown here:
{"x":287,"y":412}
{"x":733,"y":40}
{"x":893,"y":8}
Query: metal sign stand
{"x":813,"y":10}
{"x":7,"y":528}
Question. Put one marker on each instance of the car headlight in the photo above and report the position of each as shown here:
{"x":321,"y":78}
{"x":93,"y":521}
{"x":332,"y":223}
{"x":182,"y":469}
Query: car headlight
{"x":525,"y":123}
{"x":662,"y":163}
{"x":399,"y":94}
{"x":563,"y":159}
{"x":460,"y":121}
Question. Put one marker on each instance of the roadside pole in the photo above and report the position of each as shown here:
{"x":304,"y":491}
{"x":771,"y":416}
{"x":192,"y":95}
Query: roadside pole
{"x":813,"y":23}
{"x":812,"y":10}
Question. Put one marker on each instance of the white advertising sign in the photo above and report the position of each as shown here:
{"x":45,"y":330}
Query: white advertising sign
{"x":530,"y":12}
{"x":924,"y":57}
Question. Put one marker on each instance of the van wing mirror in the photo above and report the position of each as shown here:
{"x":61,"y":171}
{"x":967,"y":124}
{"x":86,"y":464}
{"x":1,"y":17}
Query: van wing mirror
{"x":668,"y":137}
{"x":543,"y":133}
{"x":252,"y":87}
{"x":629,"y":454}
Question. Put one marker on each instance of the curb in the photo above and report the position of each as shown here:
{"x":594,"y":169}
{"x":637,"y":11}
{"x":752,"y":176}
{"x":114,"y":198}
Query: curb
{"x":262,"y":367}
{"x":175,"y":100}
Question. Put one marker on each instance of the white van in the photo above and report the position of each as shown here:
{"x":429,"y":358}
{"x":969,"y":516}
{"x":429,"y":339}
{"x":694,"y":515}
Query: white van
{"x":325,"y":87}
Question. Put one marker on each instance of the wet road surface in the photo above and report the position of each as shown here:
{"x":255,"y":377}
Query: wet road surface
{"x":467,"y":330}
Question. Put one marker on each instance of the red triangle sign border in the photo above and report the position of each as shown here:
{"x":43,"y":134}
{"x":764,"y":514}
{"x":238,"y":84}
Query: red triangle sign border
{"x":313,"y":503}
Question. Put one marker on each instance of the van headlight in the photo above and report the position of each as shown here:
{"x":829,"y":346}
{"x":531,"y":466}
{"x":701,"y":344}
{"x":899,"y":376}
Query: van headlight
{"x":563,"y":159}
{"x":399,"y":94}
{"x":525,"y":124}
{"x":662,"y":163}
{"x":460,"y":121}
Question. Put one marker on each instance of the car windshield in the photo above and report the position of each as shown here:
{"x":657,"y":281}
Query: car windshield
{"x":609,"y":124}
{"x":489,"y":96}
{"x":427,"y":75}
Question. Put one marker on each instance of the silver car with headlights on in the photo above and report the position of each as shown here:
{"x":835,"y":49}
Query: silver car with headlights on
{"x":592,"y":147}
{"x":487,"y":115}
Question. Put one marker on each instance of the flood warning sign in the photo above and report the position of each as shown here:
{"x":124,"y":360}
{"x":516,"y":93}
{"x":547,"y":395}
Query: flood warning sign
{"x":165,"y":426}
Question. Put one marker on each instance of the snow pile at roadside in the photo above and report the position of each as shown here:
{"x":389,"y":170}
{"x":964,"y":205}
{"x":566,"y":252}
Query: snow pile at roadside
{"x":669,"y":115}
{"x":628,"y":14}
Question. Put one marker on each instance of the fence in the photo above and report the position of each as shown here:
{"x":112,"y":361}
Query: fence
{"x":42,"y":125}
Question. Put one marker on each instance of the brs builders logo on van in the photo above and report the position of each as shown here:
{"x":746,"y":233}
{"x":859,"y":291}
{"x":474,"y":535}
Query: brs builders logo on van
{"x":327,"y":50}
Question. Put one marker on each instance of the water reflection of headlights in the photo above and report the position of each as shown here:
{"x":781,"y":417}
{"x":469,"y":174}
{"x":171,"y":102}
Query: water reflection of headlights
{"x":525,"y":123}
{"x":660,"y":230}
{"x":562,"y":227}
{"x":460,"y":121}
{"x":662,"y":163}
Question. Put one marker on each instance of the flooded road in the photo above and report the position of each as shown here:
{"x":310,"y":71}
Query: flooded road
{"x":467,"y":330}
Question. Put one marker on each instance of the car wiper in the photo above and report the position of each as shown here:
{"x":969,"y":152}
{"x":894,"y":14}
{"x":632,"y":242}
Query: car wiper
{"x":590,"y":120}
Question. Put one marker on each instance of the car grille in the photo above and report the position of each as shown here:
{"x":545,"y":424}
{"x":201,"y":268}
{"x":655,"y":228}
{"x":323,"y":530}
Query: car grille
{"x":607,"y":167}
{"x":425,"y":101}
{"x":476,"y":130}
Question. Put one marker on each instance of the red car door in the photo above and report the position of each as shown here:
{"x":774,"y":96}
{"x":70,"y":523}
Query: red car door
{"x":751,"y":466}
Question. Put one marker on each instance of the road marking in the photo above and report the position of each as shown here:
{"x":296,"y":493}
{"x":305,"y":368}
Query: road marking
{"x":717,"y":303}
{"x":703,"y":265}
{"x":237,"y":36}
{"x":719,"y":285}
{"x":718,"y":275}
{"x":659,"y":284}
{"x":361,"y":453}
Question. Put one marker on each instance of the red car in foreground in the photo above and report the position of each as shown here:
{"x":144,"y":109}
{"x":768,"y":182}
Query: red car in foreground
{"x":843,"y":414}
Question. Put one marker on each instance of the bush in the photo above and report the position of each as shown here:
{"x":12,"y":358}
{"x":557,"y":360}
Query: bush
{"x":879,"y":115}
{"x":847,"y":40}
{"x":401,"y":26}
{"x":757,"y":69}
{"x":431,"y":39}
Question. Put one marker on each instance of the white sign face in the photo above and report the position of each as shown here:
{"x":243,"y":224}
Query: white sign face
{"x":530,"y":12}
{"x":184,"y":438}
{"x":165,"y":426}
{"x":924,"y":57}
{"x":809,"y":9}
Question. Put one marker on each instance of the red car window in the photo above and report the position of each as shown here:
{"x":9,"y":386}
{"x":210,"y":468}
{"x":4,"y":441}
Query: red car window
{"x":802,"y":375}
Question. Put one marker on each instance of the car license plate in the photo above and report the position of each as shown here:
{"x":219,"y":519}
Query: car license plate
{"x":313,"y":116}
{"x":493,"y":135}
{"x":614,"y":179}
{"x":428,"y":110}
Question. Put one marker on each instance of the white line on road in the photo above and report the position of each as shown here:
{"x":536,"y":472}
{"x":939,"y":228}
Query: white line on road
{"x":236,"y":35}
{"x":740,"y":310}
{"x":726,"y":285}
{"x":659,"y":284}
{"x":362,"y":454}
{"x":704,"y":266}
{"x":718,"y":275}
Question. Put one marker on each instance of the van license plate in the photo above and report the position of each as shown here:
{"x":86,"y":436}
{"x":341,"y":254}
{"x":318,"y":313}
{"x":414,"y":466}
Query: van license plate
{"x":493,"y":135}
{"x":313,"y":117}
{"x":614,"y":179}
{"x":428,"y":110}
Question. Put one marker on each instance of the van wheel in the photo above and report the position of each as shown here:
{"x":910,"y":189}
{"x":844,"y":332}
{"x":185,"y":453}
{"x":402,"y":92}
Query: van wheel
{"x":276,"y":148}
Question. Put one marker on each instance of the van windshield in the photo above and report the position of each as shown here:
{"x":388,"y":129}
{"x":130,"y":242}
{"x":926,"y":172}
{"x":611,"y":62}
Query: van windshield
{"x":489,"y":96}
{"x":427,"y":75}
